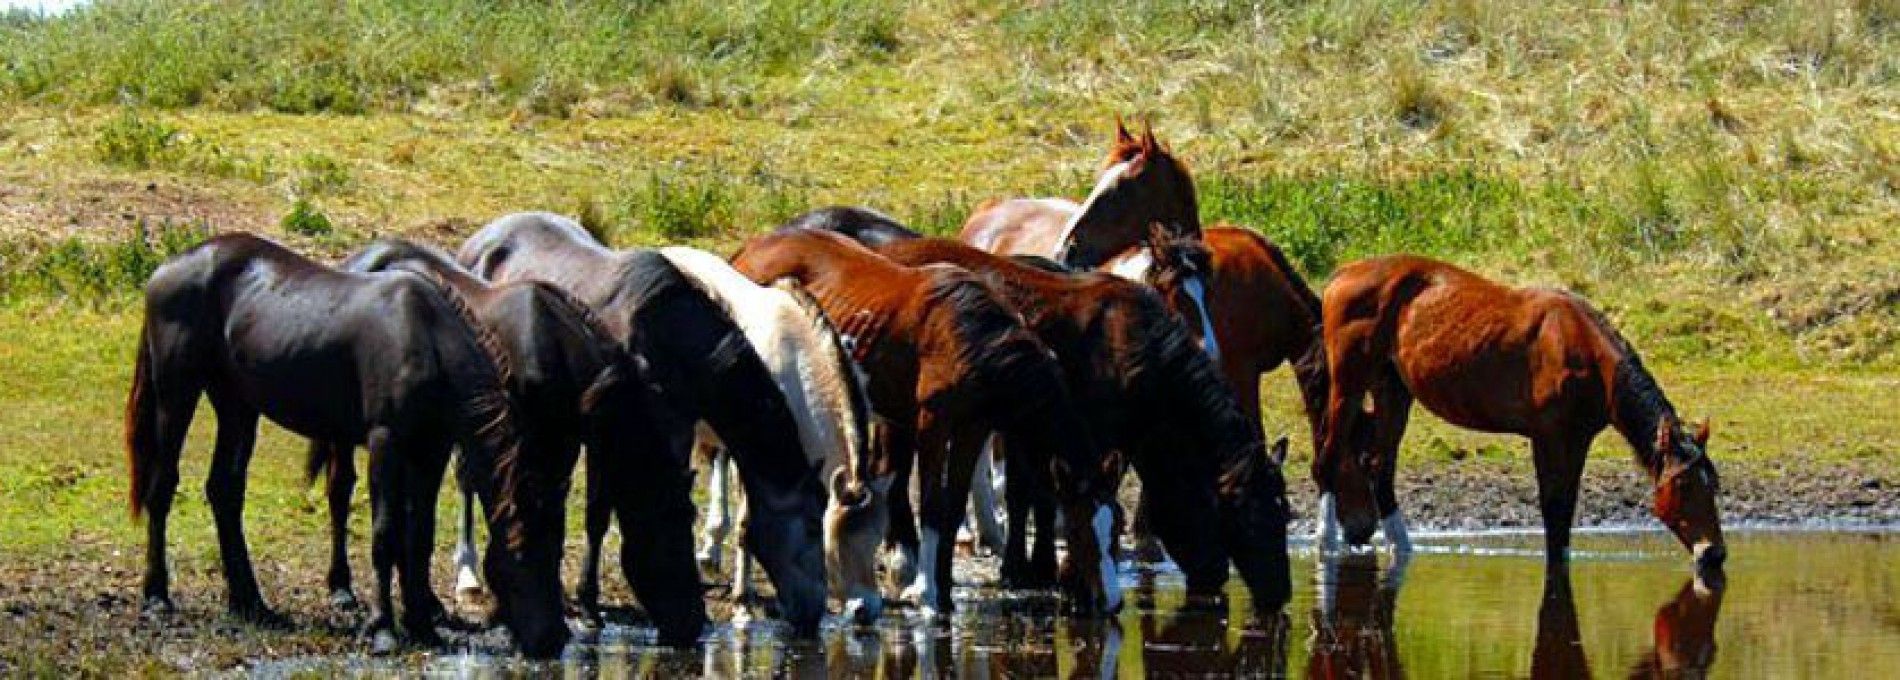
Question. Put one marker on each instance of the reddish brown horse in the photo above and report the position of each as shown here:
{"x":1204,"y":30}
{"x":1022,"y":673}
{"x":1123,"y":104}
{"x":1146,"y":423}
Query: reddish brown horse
{"x":1534,"y":362}
{"x":948,"y":364}
{"x":1154,"y":397}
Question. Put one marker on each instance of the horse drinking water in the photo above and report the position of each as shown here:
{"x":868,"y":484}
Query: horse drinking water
{"x":572,"y":385}
{"x":386,"y":361}
{"x":949,"y":364}
{"x":708,"y":370}
{"x":1534,"y":362}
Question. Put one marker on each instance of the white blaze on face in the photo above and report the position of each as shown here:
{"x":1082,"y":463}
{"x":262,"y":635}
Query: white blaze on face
{"x":1198,"y":291}
{"x":1134,"y":266}
{"x":1111,"y":582}
{"x":1110,"y":177}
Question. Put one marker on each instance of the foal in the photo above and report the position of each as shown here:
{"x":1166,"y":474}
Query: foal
{"x":386,"y":361}
{"x":572,"y":385}
{"x":949,"y":363}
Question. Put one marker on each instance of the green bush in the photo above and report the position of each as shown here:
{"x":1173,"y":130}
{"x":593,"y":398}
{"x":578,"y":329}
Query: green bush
{"x":92,"y":270}
{"x":133,"y":141}
{"x":304,"y":219}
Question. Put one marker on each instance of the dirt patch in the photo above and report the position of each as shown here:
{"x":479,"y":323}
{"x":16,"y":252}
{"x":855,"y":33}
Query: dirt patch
{"x":38,"y":206}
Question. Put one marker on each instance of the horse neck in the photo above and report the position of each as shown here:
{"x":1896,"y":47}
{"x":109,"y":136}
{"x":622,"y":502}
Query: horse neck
{"x":1197,"y":393}
{"x":1638,"y":408}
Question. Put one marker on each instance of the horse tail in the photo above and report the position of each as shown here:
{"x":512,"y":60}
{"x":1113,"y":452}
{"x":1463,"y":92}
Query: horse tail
{"x":141,"y":428}
{"x":317,"y":463}
{"x":478,"y":371}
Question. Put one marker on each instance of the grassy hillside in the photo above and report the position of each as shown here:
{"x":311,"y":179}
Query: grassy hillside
{"x":1720,"y":175}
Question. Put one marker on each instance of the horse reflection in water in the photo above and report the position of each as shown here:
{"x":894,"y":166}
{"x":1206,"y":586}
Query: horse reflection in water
{"x":1353,"y":612}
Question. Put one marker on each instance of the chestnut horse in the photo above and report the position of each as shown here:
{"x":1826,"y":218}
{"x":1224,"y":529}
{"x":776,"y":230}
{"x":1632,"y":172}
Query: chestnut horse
{"x":572,"y":385}
{"x":1150,"y":394}
{"x":708,"y":371}
{"x":949,"y":363}
{"x":1534,"y":362}
{"x":387,"y":361}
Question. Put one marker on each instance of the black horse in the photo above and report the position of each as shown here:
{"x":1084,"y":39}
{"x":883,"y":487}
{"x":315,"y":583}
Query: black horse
{"x":386,"y":361}
{"x":572,"y":385}
{"x":709,"y":371}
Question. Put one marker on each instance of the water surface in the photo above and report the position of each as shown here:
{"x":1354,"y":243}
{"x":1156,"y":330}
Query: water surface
{"x":1790,"y":604}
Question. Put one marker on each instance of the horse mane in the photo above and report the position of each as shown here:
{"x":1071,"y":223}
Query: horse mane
{"x":992,"y":337}
{"x":491,"y":410}
{"x":1191,"y":383}
{"x":619,"y":364}
{"x":833,"y":352}
{"x":1637,"y":403}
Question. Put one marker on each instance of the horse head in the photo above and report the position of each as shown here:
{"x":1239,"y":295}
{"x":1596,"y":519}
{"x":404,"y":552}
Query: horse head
{"x":1141,"y":184}
{"x":1686,"y":488}
{"x":1179,"y":268}
{"x":855,"y":524}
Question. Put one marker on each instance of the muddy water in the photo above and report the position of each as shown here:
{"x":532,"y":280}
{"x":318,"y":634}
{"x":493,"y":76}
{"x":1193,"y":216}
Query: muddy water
{"x":1790,"y":604}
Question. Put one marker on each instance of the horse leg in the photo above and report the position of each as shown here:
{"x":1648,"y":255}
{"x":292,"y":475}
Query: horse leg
{"x":742,"y":560}
{"x":945,"y":464}
{"x":901,"y":539}
{"x":600,"y":516}
{"x":1015,"y":572}
{"x":170,"y":420}
{"x":1392,"y":403}
{"x":712,"y":537}
{"x":386,"y":518}
{"x":425,"y":464}
{"x":224,"y":489}
{"x":1042,"y":506}
{"x":468,"y":559}
{"x":338,"y":489}
{"x":984,"y":490}
{"x":1559,"y":465}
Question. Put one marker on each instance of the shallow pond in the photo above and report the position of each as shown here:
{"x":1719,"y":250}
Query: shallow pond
{"x":1791,"y":604}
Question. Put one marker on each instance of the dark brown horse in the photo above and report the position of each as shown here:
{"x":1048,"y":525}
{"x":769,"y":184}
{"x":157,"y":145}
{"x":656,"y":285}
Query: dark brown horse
{"x":709,"y":372}
{"x":572,"y":385}
{"x":1151,"y":394}
{"x":949,"y":363}
{"x":1535,"y":362}
{"x":387,"y":361}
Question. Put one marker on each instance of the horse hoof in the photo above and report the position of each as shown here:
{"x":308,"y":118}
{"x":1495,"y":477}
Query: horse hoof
{"x":157,"y":608}
{"x":457,"y":623}
{"x":344,"y":600}
{"x":383,"y":643}
{"x":261,"y":616}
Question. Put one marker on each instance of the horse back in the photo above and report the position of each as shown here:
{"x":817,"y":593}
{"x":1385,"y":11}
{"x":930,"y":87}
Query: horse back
{"x":1018,"y":226}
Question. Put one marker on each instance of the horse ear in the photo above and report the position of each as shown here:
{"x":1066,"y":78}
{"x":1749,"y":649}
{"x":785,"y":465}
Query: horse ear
{"x":1702,"y":434}
{"x":1148,"y":143}
{"x":1121,"y":131}
{"x":1278,"y":453}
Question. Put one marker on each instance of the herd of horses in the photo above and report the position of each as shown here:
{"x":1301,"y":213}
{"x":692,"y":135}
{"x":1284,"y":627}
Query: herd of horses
{"x":838,"y":361}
